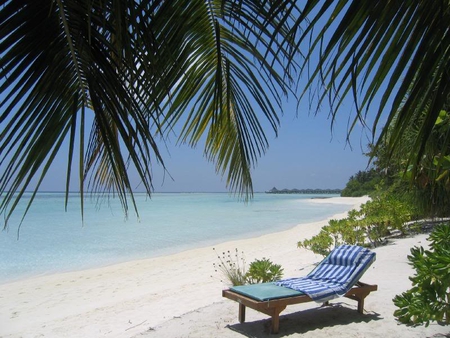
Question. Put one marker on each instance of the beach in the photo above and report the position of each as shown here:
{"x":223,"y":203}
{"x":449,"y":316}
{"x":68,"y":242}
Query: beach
{"x":179,"y":295}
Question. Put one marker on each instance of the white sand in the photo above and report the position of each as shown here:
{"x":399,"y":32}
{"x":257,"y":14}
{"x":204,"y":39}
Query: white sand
{"x":175,"y":296}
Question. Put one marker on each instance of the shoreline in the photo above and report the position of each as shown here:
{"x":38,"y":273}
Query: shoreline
{"x":165,"y":296}
{"x":167,"y":251}
{"x":112,"y":300}
{"x":104,"y":239}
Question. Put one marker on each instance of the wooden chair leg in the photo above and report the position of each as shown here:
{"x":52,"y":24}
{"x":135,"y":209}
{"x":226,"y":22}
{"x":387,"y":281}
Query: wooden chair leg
{"x":275,"y":314}
{"x":361,"y":305}
{"x":275,"y":323}
{"x":241,"y":313}
{"x":360,"y":299}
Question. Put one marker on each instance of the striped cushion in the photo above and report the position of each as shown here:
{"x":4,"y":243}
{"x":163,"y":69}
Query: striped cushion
{"x":337,"y":273}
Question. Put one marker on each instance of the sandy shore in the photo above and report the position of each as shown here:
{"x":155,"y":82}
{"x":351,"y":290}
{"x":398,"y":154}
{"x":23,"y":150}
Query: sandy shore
{"x":180,"y":296}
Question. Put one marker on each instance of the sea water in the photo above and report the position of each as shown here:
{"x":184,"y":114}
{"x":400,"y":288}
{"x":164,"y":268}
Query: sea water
{"x":52,"y":240}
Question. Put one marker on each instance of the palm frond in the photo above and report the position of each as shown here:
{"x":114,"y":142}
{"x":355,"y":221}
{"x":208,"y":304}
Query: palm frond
{"x":397,"y":51}
{"x":135,"y":69}
{"x":231,"y":83}
{"x":59,"y":58}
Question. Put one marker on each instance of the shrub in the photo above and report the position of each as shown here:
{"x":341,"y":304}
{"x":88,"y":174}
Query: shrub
{"x":232,"y":266}
{"x":319,"y":244}
{"x":429,"y":298}
{"x":263,"y":271}
{"x":369,"y":225}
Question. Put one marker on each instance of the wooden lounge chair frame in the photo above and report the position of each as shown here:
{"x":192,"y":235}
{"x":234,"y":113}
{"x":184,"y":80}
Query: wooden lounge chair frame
{"x":274,"y":307}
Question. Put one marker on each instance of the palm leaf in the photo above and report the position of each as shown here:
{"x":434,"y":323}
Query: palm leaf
{"x":395,"y":50}
{"x":136,"y":69}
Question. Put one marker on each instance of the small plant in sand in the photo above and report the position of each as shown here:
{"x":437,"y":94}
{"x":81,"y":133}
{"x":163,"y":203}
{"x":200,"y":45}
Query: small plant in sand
{"x":263,"y":271}
{"x":232,"y":266}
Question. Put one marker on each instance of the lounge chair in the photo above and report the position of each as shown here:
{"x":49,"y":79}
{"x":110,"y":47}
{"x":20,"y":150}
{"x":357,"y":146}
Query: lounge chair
{"x":337,"y":275}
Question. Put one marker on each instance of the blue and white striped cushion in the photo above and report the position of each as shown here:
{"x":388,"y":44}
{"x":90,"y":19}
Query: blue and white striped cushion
{"x":337,"y":273}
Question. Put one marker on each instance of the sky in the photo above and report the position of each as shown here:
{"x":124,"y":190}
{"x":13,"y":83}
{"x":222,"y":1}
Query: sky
{"x":306,"y":154}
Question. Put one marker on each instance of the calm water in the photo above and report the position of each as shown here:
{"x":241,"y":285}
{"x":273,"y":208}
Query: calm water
{"x":52,"y":240}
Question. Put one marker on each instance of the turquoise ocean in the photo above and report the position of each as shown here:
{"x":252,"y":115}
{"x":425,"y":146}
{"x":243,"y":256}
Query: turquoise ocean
{"x":52,"y":240}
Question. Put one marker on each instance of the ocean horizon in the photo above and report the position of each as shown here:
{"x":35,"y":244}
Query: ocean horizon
{"x":52,"y":240}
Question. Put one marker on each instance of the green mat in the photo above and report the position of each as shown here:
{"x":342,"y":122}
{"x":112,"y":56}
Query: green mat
{"x":265,"y":291}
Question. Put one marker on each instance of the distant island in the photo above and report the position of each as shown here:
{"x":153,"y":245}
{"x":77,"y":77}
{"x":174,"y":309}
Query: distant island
{"x":303,"y":191}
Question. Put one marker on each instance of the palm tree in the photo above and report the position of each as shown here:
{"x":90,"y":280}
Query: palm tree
{"x":133,"y":70}
{"x":391,"y":57}
{"x":217,"y":67}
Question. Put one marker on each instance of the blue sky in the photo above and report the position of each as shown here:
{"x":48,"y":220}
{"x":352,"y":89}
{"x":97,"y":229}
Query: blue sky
{"x":306,"y":154}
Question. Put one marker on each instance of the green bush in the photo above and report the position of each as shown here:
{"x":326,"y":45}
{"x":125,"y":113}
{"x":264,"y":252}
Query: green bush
{"x":370,"y":225}
{"x":362,"y":183}
{"x":429,"y":298}
{"x":263,"y":271}
{"x":233,"y":267}
{"x":319,"y":244}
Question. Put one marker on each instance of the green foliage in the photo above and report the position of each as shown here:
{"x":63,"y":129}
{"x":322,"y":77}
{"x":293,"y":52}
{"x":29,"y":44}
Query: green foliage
{"x":319,"y":244}
{"x":362,"y":183}
{"x":426,"y":184}
{"x":430,"y":177}
{"x":381,"y":215}
{"x":337,"y":232}
{"x":263,"y":271}
{"x":429,"y":298}
{"x":351,"y":39}
{"x":350,"y":230}
{"x":212,"y":78}
{"x":131,"y":72}
{"x":232,"y":267}
{"x":375,"y":220}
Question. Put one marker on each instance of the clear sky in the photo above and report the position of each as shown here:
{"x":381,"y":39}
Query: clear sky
{"x":306,"y":154}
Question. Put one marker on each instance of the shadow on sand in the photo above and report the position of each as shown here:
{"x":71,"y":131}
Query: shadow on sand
{"x":305,"y":321}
